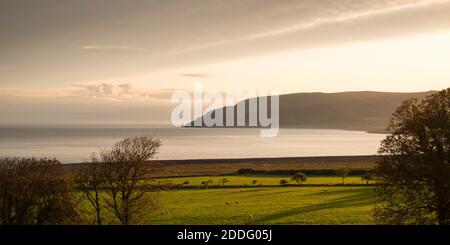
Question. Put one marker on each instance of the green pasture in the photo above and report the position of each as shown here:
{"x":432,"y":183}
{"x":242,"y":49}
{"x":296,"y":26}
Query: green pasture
{"x":275,"y":205}
{"x":261,"y":180}
{"x":260,"y":205}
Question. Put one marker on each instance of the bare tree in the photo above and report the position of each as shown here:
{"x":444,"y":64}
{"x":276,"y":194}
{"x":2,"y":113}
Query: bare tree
{"x":125,"y":170}
{"x":343,"y":173}
{"x":90,"y":178}
{"x":367,"y":177}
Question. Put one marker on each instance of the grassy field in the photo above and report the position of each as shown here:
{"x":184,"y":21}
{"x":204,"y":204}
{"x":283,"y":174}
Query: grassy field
{"x":262,"y":180}
{"x":321,"y":199}
{"x":276,"y":205}
{"x":292,"y":204}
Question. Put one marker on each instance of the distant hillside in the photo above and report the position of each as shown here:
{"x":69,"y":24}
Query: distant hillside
{"x":365,"y":111}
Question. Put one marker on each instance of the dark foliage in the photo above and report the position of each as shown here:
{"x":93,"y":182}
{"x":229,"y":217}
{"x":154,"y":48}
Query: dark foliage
{"x":414,"y":169}
{"x":35,"y":191}
{"x":299,"y":177}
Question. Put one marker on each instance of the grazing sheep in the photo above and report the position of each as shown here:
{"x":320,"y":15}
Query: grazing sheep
{"x":250,"y":219}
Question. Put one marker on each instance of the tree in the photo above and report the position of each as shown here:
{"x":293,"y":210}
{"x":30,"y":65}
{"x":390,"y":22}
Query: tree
{"x":254,"y":182}
{"x":414,"y":169}
{"x":125,"y":169}
{"x":344,"y":174}
{"x":35,"y":191}
{"x":367,"y":177}
{"x":89,"y":179}
{"x":299,"y":177}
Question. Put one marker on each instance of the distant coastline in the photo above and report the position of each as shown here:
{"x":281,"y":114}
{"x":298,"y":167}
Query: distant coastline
{"x":369,"y":131}
{"x":366,"y":111}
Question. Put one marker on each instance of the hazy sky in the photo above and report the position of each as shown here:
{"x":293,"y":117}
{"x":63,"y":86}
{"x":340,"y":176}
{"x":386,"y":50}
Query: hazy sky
{"x":114,"y":61}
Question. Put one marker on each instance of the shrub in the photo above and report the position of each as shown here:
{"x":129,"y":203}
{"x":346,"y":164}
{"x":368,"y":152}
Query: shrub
{"x":284,"y":182}
{"x":35,"y":191}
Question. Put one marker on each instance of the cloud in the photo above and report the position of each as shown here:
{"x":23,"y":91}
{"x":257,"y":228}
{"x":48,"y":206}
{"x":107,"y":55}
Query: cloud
{"x":196,"y":75}
{"x":343,"y":16}
{"x":347,"y":16}
{"x":126,"y":88}
{"x":105,"y":90}
{"x":115,"y":48}
{"x":121,"y":91}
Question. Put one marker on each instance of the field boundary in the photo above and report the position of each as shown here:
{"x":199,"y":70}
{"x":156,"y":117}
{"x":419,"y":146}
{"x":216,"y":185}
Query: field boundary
{"x":197,"y":187}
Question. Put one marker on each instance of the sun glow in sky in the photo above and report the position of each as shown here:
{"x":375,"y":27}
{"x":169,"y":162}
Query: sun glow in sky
{"x":84,"y":57}
{"x":417,"y":63}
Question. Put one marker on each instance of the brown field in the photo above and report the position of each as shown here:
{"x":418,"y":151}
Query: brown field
{"x":173,"y":169}
{"x":230,"y":166}
{"x":165,"y":168}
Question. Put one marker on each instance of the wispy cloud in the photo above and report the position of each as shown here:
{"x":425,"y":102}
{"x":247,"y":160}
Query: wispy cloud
{"x":350,"y":16}
{"x":196,"y":75}
{"x":117,"y":48}
{"x":342,"y":17}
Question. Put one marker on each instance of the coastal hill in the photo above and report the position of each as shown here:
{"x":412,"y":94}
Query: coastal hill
{"x":362,"y":111}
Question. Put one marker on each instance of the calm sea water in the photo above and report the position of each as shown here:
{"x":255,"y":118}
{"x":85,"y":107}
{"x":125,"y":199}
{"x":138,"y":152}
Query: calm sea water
{"x":75,"y":143}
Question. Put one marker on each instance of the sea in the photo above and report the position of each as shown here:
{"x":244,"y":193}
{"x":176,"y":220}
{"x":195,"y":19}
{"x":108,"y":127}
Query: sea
{"x":75,"y":143}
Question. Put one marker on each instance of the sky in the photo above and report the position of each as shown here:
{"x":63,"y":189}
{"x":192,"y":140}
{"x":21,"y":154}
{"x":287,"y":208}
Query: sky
{"x":114,"y":61}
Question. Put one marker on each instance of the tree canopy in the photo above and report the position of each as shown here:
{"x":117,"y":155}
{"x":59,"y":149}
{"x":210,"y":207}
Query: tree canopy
{"x":414,"y":170}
